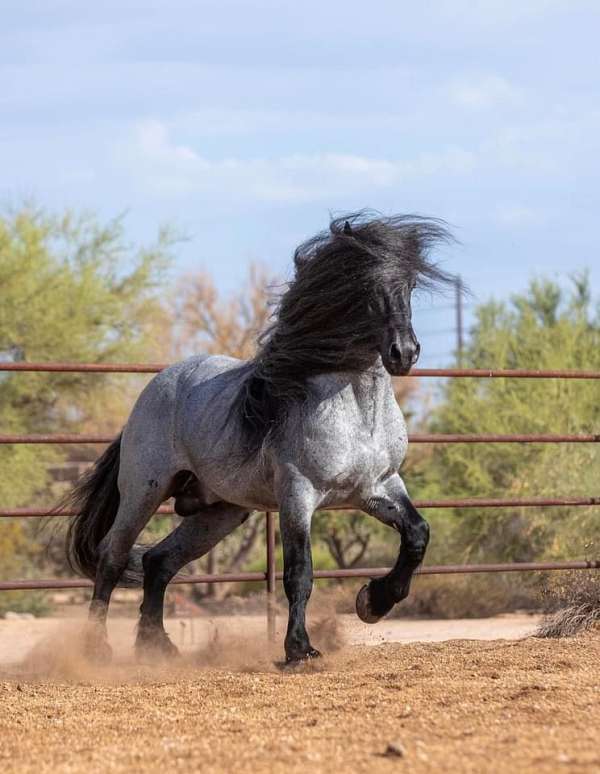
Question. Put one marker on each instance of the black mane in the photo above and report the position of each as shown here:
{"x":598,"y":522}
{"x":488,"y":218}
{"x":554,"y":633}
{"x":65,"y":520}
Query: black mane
{"x":322,"y":322}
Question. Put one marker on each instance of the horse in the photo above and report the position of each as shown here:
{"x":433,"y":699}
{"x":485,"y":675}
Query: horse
{"x":310,"y":422}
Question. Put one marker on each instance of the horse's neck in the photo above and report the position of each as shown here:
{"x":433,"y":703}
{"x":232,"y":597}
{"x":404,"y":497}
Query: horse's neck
{"x":372,"y":391}
{"x":369,"y":391}
{"x":371,"y":385}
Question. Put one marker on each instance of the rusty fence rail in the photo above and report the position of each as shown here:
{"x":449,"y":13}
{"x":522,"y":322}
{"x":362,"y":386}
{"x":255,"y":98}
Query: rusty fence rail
{"x":82,"y":438}
{"x":154,"y":368}
{"x":465,"y":502}
{"x":271,"y":574}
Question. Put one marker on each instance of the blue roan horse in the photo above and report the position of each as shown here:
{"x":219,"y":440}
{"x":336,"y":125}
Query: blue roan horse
{"x":310,"y":422}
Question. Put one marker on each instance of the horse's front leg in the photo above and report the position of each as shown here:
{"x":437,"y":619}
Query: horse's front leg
{"x":394,"y":509}
{"x":297,"y":503}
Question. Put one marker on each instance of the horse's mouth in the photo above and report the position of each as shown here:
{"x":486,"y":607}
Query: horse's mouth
{"x":395,"y":369}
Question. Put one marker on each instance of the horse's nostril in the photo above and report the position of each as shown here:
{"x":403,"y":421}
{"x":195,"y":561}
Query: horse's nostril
{"x":395,"y":352}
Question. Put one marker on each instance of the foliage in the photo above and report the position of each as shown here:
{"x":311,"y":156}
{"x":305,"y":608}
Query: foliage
{"x":72,"y":289}
{"x":348,"y":535}
{"x":207,"y":322}
{"x":546,"y":328}
{"x":573,"y":604}
{"x":18,"y":552}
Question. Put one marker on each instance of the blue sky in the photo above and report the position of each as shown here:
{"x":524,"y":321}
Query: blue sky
{"x":245,"y":123}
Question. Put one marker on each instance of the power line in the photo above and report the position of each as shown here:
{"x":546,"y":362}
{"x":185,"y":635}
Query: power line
{"x":438,"y":332}
{"x":427,"y":355}
{"x":442,"y":308}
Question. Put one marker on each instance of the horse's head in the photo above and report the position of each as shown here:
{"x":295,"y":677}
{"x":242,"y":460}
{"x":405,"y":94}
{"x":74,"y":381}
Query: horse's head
{"x":349,"y":302}
{"x":398,"y":345}
{"x":391,"y":259}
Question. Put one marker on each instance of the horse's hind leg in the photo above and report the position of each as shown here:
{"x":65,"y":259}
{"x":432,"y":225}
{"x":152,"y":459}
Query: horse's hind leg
{"x":136,"y":507}
{"x":193,"y":538}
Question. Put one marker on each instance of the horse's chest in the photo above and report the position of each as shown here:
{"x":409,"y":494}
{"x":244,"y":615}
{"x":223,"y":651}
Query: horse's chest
{"x":375,"y":450}
{"x":353,"y":445}
{"x":367,"y":460}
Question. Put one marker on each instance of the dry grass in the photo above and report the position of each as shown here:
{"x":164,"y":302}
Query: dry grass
{"x":570,"y":621}
{"x":574,"y":605}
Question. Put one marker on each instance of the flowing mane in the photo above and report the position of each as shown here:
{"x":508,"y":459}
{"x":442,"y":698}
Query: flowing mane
{"x":323,"y":321}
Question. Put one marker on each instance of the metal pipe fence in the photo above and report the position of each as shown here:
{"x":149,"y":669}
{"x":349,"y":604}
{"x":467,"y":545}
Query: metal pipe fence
{"x":77,"y":438}
{"x":154,"y":368}
{"x":271,"y":574}
{"x":466,"y":502}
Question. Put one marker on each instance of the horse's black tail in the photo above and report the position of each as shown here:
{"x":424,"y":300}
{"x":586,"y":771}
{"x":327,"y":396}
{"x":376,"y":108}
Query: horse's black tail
{"x":95,"y":500}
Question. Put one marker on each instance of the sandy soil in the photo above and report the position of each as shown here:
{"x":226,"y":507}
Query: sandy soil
{"x":458,"y":706}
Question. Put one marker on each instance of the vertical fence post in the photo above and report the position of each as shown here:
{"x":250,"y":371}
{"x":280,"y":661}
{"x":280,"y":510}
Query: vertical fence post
{"x":271,"y":581}
{"x":211,"y":568}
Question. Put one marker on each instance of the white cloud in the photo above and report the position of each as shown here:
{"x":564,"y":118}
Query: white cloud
{"x":158,"y":163}
{"x":484,"y":92}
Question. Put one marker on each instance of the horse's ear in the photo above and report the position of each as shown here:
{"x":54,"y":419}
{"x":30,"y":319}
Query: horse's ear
{"x":347,"y":228}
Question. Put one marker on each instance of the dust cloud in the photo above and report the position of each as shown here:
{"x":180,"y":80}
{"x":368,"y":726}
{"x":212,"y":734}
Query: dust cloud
{"x":238,"y":642}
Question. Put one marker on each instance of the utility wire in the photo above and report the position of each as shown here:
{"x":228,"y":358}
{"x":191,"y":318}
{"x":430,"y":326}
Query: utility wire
{"x":443,"y":307}
{"x":439,"y":332}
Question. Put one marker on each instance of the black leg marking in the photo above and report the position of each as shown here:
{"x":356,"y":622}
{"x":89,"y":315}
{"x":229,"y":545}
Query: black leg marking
{"x":193,"y":538}
{"x":152,"y":639}
{"x":297,"y":582}
{"x":379,"y":596}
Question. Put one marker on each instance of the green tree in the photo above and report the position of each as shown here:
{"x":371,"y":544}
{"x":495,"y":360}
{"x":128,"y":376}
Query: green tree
{"x":71,"y":289}
{"x":547,"y":327}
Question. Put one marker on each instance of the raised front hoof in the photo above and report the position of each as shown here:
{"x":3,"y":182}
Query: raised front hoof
{"x":96,"y":649}
{"x":293,"y":661}
{"x":157,"y":646}
{"x":364,"y":607}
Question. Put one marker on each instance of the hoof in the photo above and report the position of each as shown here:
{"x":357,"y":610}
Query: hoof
{"x":156,"y":647}
{"x":363,"y":606}
{"x":295,"y":661}
{"x":96,"y":649}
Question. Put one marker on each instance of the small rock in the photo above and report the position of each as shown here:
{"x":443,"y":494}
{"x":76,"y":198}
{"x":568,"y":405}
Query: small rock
{"x":406,"y":712}
{"x":395,"y":750}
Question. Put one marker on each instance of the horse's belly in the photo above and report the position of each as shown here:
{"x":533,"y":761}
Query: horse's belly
{"x":246,"y":485}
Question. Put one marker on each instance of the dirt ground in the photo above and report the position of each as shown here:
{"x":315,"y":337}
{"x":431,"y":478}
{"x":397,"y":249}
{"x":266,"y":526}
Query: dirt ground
{"x":455,"y":706}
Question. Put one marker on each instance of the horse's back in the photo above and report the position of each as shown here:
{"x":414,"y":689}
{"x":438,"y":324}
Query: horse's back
{"x":165,"y":412}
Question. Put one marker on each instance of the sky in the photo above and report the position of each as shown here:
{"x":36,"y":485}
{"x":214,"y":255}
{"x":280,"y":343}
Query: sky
{"x":245,"y":124}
